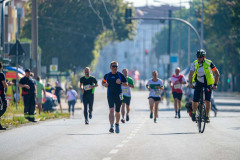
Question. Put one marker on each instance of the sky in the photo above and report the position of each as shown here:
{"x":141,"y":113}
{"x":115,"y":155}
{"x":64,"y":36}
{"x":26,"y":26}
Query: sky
{"x":138,"y":3}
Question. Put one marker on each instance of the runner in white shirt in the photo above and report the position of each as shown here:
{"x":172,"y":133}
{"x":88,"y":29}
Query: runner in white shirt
{"x":154,"y":85}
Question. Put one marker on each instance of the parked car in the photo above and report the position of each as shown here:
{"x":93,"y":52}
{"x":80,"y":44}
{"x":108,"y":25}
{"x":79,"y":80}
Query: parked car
{"x":50,"y":102}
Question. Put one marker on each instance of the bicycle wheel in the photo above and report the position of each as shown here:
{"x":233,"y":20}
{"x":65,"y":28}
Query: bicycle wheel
{"x":201,"y":119}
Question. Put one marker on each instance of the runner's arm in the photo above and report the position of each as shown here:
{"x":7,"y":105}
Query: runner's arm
{"x":125,"y":84}
{"x":131,"y":85}
{"x":5,"y":85}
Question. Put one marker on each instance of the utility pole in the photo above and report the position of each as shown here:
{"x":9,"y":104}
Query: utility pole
{"x":189,"y":43}
{"x":202,"y":29}
{"x":35,"y":36}
{"x":179,"y":42}
{"x":169,"y":41}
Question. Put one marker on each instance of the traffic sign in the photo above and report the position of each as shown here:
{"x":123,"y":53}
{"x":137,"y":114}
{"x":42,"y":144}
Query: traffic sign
{"x":53,"y":68}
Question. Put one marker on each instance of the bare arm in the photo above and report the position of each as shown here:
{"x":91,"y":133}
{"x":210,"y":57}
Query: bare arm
{"x":5,"y":85}
{"x":131,"y":85}
{"x":96,"y":85}
{"x":44,"y":92}
{"x":217,"y":75}
{"x":190,"y":78}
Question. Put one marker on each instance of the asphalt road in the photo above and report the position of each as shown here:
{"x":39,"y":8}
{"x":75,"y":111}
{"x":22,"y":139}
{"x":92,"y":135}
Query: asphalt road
{"x":139,"y":139}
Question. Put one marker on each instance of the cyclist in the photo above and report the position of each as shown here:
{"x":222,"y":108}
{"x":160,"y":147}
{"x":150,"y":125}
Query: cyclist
{"x":126,"y":95}
{"x":113,"y":81}
{"x":176,"y":82}
{"x":201,"y":72}
{"x":87,"y":86}
{"x":154,"y":85}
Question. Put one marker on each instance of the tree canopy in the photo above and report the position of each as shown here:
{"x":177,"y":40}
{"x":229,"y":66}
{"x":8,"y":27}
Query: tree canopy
{"x":74,"y":30}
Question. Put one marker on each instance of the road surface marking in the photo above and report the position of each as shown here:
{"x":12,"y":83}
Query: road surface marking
{"x":107,"y":158}
{"x":120,"y":145}
{"x":114,"y":151}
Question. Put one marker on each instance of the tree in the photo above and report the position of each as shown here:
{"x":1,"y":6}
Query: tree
{"x":69,"y":29}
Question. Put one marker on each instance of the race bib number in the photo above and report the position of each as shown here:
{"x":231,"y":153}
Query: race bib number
{"x":177,"y":86}
{"x":121,"y":96}
{"x":157,"y":92}
{"x":124,"y":90}
{"x":87,"y":87}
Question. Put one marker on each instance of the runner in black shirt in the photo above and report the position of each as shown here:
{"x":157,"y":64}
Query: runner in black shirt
{"x":3,"y":101}
{"x":113,"y":81}
{"x":87,"y":85}
{"x":58,"y":91}
{"x":28,"y":92}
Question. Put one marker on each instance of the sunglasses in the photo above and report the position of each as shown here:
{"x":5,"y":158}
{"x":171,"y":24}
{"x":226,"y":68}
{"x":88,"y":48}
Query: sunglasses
{"x":199,"y":56}
{"x":114,"y":66}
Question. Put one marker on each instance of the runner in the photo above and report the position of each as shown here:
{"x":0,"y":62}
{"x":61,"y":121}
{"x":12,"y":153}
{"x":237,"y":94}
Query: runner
{"x":113,"y":81}
{"x":87,"y":85}
{"x":126,"y":95}
{"x":176,"y":83}
{"x":154,"y":85}
{"x":58,"y":91}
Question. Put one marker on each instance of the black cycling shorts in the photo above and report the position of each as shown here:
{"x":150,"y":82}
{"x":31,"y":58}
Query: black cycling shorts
{"x":126,"y":100}
{"x":197,"y":92}
{"x":155,"y":98}
{"x":114,"y":100}
{"x":177,"y":95}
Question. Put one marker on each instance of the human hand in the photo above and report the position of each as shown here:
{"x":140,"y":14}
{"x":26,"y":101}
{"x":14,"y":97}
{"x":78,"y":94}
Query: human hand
{"x":118,"y":81}
{"x":91,"y":87}
{"x":214,"y":87}
{"x":106,"y":84}
{"x":27,"y":86}
{"x":190,"y":85}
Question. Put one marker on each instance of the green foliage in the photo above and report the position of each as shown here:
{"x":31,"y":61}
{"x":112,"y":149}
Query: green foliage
{"x":71,"y":30}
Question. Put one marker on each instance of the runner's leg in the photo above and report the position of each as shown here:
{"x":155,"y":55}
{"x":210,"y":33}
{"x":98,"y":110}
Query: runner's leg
{"x":123,"y":110}
{"x":156,"y":103}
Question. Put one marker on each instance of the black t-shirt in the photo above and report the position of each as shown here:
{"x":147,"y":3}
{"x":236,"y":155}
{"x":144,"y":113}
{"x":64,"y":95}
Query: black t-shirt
{"x":2,"y":78}
{"x":87,"y":82}
{"x":30,"y":82}
{"x":58,"y":90}
{"x":113,"y":87}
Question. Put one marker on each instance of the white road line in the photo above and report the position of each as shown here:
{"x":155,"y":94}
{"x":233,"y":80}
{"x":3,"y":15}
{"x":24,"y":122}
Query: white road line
{"x":120,"y":145}
{"x":125,"y":141}
{"x":107,"y":158}
{"x":114,"y":151}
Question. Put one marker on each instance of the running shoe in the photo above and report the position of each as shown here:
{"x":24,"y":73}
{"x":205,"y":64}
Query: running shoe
{"x":193,"y":117}
{"x":176,"y":116}
{"x":127,"y":117}
{"x":117,"y":128}
{"x":122,"y":120}
{"x":86,"y":122}
{"x":111,"y":130}
{"x":90,"y":115}
{"x":155,"y":120}
{"x":179,"y":116}
{"x":151,"y":115}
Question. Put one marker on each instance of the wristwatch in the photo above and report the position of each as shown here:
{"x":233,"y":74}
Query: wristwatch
{"x":215,"y":84}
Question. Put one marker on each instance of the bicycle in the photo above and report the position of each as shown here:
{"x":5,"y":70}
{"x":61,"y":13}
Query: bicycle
{"x":201,"y":112}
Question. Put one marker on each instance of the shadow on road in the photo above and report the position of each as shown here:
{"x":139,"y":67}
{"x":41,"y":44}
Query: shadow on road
{"x":165,"y":134}
{"x":88,"y":134}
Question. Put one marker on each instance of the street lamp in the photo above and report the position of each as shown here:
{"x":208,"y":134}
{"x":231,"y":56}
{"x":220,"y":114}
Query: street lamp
{"x":3,"y":2}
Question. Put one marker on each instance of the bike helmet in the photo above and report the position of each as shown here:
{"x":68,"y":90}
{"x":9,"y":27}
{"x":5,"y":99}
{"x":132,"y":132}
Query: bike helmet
{"x":201,"y":53}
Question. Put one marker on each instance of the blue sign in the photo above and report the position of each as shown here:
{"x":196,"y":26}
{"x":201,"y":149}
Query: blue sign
{"x":174,"y":59}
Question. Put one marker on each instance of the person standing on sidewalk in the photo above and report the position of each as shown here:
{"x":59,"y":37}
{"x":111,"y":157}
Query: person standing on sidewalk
{"x":126,"y":95}
{"x":113,"y":81}
{"x":177,"y":80}
{"x":71,"y":98}
{"x":40,"y":89}
{"x":58,"y":91}
{"x":3,"y":101}
{"x":29,"y":95}
{"x":87,"y":86}
{"x":154,"y":85}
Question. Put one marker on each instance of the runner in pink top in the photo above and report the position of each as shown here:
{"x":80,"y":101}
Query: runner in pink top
{"x":177,"y":80}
